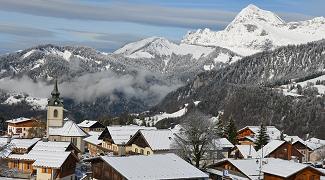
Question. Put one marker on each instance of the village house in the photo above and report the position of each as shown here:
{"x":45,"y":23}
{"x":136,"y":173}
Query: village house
{"x":224,"y":146}
{"x":88,"y":126}
{"x":151,"y":141}
{"x":93,"y":144}
{"x":287,"y":170}
{"x":114,"y":138}
{"x":157,"y":166}
{"x":19,"y":127}
{"x":46,"y":160}
{"x":267,"y":169}
{"x":280,"y":149}
{"x":301,"y":146}
{"x":243,"y":152}
{"x":248,"y":134}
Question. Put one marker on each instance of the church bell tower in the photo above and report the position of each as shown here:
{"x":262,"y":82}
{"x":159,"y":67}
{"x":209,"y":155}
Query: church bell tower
{"x":55,"y":109}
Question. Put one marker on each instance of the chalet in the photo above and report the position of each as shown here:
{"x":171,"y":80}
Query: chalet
{"x":157,"y":166}
{"x":280,"y":149}
{"x":248,"y":134}
{"x":243,"y":152}
{"x":88,"y":126}
{"x":151,"y":141}
{"x":224,"y":146}
{"x":235,"y":168}
{"x":269,"y":169}
{"x":19,"y":127}
{"x":46,"y":160}
{"x":70,"y":132}
{"x":301,"y":146}
{"x":281,"y":169}
{"x":93,"y":144}
{"x":114,"y":138}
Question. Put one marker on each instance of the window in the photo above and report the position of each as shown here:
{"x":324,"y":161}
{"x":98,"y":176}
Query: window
{"x":28,"y":166}
{"x":148,"y":152}
{"x":136,"y":150}
{"x":55,"y":113}
{"x":15,"y":164}
{"x":74,"y":141}
{"x":142,"y":151}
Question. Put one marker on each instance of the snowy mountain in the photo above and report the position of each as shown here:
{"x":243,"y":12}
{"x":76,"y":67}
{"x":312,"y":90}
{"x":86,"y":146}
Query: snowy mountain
{"x":254,"y":30}
{"x":282,"y":87}
{"x":180,"y":60}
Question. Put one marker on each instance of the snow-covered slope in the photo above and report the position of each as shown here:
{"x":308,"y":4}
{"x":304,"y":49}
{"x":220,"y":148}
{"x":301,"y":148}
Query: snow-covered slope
{"x":254,"y":30}
{"x":165,"y":56}
{"x":157,"y":46}
{"x":36,"y":103}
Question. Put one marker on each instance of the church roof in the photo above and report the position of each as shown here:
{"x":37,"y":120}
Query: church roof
{"x":69,"y":128}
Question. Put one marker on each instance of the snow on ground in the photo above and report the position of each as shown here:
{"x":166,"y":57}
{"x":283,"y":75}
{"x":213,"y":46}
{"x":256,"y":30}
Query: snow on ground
{"x":36,"y":103}
{"x":150,"y":47}
{"x":28,"y":53}
{"x":311,"y":82}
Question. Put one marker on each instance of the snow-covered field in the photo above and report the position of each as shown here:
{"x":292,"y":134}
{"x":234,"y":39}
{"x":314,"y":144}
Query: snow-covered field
{"x":36,"y":103}
{"x":304,"y":84}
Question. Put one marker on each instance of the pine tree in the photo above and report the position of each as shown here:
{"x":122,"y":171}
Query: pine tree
{"x":221,"y":125}
{"x":262,"y":138}
{"x":231,"y":131}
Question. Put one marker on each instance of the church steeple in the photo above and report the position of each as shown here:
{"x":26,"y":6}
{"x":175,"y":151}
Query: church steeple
{"x":55,"y":100}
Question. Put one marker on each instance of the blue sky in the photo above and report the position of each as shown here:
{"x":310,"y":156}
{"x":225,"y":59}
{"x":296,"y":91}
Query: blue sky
{"x":107,"y":25}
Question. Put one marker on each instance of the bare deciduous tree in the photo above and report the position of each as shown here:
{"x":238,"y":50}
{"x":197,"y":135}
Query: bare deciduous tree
{"x":194,"y":142}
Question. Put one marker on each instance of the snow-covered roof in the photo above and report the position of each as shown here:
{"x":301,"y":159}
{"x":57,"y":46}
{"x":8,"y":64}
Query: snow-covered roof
{"x":43,"y":158}
{"x":51,"y":146}
{"x":3,"y":141}
{"x":247,"y":151}
{"x":283,"y":168}
{"x":157,"y":166}
{"x":160,"y":139}
{"x":122,"y":134}
{"x":315,"y":143}
{"x":87,"y":123}
{"x":221,"y":173}
{"x":272,"y":131}
{"x":223,"y":143}
{"x":93,"y":138}
{"x":69,"y":128}
{"x":294,"y":139}
{"x":248,"y":167}
{"x":24,"y":143}
{"x":269,"y":148}
{"x":18,"y":120}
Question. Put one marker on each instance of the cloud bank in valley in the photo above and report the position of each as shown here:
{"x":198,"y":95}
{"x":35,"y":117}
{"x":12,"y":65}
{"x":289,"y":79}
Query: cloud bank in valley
{"x":87,"y":88}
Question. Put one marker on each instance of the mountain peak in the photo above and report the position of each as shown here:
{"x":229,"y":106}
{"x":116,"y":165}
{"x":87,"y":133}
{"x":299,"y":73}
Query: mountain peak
{"x":252,"y":13}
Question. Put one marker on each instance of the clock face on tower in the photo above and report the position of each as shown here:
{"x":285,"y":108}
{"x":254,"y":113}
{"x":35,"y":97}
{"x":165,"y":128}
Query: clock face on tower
{"x":56,"y":103}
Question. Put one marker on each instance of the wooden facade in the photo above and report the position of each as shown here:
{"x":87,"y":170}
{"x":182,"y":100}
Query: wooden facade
{"x":101,"y":170}
{"x":303,"y":149}
{"x":305,"y":174}
{"x":226,"y":165}
{"x":242,"y":136}
{"x":286,"y":151}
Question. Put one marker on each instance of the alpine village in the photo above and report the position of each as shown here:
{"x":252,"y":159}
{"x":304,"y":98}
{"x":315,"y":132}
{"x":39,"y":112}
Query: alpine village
{"x":246,"y":102}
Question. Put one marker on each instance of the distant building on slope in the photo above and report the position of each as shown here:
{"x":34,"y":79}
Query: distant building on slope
{"x":88,"y":126}
{"x":248,"y":134}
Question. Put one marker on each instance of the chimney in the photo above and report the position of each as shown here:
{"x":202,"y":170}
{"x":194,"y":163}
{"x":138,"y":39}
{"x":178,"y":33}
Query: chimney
{"x":8,"y":139}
